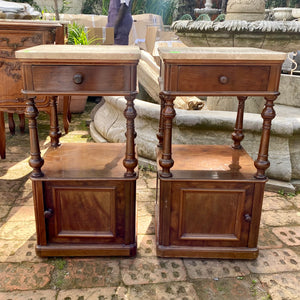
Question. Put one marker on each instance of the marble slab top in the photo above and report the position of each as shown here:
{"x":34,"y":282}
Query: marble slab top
{"x":80,"y":52}
{"x":221,"y":53}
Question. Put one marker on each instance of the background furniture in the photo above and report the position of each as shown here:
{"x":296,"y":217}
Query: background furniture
{"x":210,"y":202}
{"x":16,"y":35}
{"x":84,"y":199}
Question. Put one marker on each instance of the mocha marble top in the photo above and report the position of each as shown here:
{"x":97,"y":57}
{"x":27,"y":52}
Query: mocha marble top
{"x":79,"y":52}
{"x":221,"y":53}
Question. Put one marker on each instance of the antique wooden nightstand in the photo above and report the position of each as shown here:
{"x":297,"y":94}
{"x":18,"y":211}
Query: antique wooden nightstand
{"x":210,"y":201}
{"x":84,"y":197}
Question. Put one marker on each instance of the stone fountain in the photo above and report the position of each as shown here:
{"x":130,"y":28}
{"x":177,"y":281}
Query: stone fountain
{"x":275,"y":35}
{"x":207,"y":126}
{"x":207,"y":10}
{"x":244,"y":26}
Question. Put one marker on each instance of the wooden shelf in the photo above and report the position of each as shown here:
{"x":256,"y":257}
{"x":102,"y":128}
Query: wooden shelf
{"x":211,"y":162}
{"x":84,"y":161}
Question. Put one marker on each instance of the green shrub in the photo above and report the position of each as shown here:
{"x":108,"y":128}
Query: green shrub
{"x":281,"y":3}
{"x":77,"y":35}
{"x":164,"y":8}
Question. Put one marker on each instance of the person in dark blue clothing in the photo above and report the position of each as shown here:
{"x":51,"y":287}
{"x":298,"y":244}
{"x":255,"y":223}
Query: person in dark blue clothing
{"x":120,"y":18}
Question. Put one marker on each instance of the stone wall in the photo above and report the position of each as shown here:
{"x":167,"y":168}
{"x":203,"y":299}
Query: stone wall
{"x":75,"y":5}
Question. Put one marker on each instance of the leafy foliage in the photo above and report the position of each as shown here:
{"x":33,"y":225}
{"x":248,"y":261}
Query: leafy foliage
{"x":281,"y":3}
{"x":164,"y":8}
{"x":77,"y":35}
{"x":95,"y":7}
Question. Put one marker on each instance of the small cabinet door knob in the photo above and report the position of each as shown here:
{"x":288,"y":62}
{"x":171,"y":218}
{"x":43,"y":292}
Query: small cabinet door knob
{"x":248,"y":218}
{"x":48,"y":213}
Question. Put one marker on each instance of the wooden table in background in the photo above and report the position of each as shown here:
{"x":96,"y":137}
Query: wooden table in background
{"x":85,"y":194}
{"x":211,"y":196}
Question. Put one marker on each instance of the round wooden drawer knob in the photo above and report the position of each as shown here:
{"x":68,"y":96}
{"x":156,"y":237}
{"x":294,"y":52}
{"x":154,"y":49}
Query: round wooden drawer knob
{"x":223,"y":79}
{"x":78,"y":78}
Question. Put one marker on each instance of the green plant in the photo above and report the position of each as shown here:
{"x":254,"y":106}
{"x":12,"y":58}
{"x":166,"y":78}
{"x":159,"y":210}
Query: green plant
{"x":77,"y":35}
{"x":281,"y":3}
{"x":60,"y":264}
{"x":164,"y":8}
{"x":95,"y":7}
{"x":64,"y":8}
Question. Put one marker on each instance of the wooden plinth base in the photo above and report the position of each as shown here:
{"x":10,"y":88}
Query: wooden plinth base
{"x":86,"y":250}
{"x":207,"y":252}
{"x":211,"y":206}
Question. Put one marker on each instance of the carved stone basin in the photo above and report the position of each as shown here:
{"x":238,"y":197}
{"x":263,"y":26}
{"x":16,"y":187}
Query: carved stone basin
{"x":274,"y":35}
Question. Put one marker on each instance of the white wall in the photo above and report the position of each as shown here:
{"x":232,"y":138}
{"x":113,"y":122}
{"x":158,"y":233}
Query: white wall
{"x":75,"y":5}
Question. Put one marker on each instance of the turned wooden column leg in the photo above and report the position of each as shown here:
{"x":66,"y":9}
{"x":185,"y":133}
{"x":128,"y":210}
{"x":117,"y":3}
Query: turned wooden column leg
{"x":11,"y":123}
{"x":237,"y":135}
{"x":130,"y":162}
{"x":22,"y":123}
{"x":235,"y":162}
{"x":268,"y":114}
{"x":36,"y":161}
{"x":160,"y":134}
{"x":66,"y":112}
{"x":2,"y":135}
{"x":55,"y":133}
{"x":166,"y":161}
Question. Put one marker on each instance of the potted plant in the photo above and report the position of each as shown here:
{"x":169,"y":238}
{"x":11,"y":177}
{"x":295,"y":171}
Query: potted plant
{"x":77,"y":35}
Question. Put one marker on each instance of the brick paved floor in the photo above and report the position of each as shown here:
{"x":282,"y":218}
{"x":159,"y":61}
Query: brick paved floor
{"x":23,"y":275}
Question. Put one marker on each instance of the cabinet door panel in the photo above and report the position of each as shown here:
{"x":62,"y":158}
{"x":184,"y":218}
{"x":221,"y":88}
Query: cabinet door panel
{"x":84,"y":212}
{"x":212,"y":216}
{"x":89,"y":214}
{"x":219,"y":212}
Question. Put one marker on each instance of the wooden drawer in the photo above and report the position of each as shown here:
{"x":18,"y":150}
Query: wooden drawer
{"x":221,"y":78}
{"x":72,"y":79}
